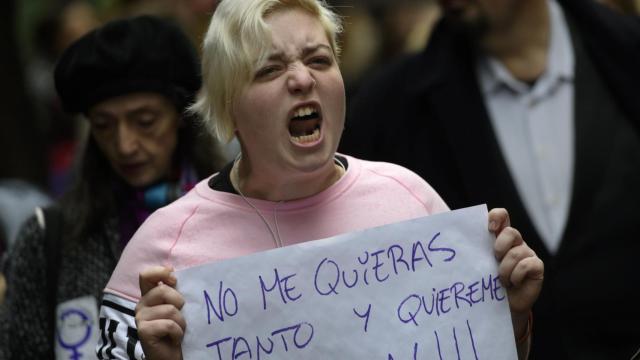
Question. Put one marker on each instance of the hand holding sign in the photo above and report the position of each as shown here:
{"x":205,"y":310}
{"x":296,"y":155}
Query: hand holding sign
{"x":520,"y":270}
{"x":432,"y":281}
{"x":158,"y":319}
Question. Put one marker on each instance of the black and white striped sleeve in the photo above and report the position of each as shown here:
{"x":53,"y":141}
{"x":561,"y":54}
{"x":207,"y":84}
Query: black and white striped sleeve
{"x":118,"y":333}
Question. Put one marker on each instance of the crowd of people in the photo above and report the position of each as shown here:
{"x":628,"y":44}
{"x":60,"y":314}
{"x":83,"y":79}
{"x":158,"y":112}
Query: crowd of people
{"x":525,"y":105}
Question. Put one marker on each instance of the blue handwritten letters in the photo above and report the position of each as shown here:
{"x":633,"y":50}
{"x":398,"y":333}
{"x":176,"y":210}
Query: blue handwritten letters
{"x":420,"y":289}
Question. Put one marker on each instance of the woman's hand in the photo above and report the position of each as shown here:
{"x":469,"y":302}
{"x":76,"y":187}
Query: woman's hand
{"x":160,"y":324}
{"x":521,"y":272}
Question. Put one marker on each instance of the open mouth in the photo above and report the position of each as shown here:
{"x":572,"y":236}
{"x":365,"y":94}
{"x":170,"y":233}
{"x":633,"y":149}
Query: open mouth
{"x":304,"y":125}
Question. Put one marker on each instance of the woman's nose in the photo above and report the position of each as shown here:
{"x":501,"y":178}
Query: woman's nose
{"x":300,"y":79}
{"x":127,"y":140}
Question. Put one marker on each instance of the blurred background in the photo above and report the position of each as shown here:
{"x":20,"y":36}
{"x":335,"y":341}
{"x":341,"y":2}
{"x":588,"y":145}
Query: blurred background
{"x":38,"y":141}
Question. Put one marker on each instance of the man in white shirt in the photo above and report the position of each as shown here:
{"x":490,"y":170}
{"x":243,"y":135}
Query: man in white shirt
{"x":531,"y":105}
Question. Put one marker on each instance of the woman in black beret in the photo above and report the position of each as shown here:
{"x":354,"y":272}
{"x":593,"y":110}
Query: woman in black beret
{"x":132,"y":79}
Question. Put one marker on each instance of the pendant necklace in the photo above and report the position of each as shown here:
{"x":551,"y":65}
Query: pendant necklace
{"x":275,"y":235}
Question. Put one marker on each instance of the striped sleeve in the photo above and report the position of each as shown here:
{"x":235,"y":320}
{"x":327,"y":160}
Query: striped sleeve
{"x":118,"y":333}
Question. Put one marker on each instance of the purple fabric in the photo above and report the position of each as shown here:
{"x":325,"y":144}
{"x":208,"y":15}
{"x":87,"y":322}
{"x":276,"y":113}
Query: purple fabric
{"x":132,"y":214}
{"x":134,"y":211}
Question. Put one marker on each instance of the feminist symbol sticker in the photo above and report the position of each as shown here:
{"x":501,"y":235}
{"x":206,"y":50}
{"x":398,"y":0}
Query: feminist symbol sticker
{"x":76,"y":334}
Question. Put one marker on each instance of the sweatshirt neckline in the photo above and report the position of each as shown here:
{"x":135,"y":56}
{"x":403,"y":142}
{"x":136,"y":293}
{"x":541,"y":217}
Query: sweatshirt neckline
{"x":233,"y":199}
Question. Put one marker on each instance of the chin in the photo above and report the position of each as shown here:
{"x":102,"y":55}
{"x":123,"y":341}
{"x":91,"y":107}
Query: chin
{"x":311,"y":163}
{"x":138,"y":182}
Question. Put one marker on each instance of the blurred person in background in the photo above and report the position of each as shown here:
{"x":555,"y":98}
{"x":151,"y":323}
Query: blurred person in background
{"x":21,"y":144}
{"x":379,"y":31}
{"x":18,"y":200}
{"x":132,"y":79}
{"x":531,"y":105}
{"x":193,"y":17}
{"x":628,"y":7}
{"x":3,"y":249}
{"x":22,"y":165}
{"x":53,"y":33}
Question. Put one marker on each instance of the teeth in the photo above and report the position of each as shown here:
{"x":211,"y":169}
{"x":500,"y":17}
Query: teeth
{"x":307,"y":138}
{"x":304,"y":111}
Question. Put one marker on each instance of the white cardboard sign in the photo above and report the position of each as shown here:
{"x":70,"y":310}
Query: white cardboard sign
{"x":420,"y":289}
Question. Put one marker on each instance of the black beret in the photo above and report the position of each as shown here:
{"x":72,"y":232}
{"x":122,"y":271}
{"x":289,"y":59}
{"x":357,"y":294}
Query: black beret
{"x":142,"y":54}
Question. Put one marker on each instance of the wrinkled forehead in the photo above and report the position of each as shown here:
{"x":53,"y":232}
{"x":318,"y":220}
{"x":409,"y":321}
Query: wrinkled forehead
{"x":281,"y":40}
{"x":297,"y":34}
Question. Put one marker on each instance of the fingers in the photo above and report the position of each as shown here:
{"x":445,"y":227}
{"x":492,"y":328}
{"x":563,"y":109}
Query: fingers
{"x":520,"y":270}
{"x":529,"y":268}
{"x":161,"y":294}
{"x":513,"y":263}
{"x":523,"y":284}
{"x":158,"y":317}
{"x":160,"y":324}
{"x":150,"y":278}
{"x":160,"y":312}
{"x":517,"y":260}
{"x":157,"y":330}
{"x":507,"y":239}
{"x":498,"y":220}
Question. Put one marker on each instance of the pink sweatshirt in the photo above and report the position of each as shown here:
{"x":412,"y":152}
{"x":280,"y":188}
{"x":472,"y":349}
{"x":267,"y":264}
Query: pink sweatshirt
{"x":207,"y":225}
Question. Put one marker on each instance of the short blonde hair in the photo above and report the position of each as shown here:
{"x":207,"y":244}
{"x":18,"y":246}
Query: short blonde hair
{"x":237,"y":42}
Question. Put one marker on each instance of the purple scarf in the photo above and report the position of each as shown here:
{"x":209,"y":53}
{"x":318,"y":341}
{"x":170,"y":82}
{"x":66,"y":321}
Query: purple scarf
{"x":135,"y":205}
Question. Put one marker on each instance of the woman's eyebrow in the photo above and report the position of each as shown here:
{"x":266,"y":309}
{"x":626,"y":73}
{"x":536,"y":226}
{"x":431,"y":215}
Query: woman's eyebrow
{"x":280,"y":55}
{"x":141,"y":110}
{"x":311,"y":49}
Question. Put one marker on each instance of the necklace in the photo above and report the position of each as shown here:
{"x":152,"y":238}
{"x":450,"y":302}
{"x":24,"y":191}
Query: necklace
{"x":275,"y":235}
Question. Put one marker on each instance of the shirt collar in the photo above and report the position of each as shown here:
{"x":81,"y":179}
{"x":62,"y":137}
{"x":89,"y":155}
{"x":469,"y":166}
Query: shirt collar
{"x":494,"y":76}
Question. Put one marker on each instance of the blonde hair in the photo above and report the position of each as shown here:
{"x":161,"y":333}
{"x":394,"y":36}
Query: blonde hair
{"x":237,"y":41}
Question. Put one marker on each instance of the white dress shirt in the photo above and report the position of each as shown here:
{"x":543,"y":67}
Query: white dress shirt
{"x":535,"y":130}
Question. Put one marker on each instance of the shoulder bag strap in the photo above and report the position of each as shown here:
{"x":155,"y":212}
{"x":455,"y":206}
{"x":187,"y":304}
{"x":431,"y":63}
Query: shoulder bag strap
{"x":50,"y":219}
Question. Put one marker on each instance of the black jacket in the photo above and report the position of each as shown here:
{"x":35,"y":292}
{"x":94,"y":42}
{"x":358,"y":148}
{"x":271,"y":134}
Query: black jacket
{"x":426,"y":112}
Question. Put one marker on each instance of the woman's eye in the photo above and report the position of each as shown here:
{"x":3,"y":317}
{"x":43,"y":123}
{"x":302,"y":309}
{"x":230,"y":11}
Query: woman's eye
{"x":321,"y":61}
{"x":267,"y":71}
{"x":146,"y":121}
